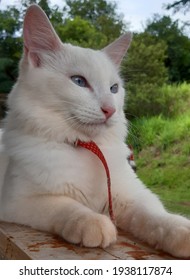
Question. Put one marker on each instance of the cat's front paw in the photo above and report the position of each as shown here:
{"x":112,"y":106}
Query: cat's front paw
{"x":93,"y":230}
{"x":177,"y":237}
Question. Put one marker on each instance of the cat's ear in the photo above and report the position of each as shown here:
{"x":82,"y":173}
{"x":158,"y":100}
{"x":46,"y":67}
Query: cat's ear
{"x":38,"y":34}
{"x":117,"y":50}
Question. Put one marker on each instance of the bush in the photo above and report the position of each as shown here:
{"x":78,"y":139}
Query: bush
{"x":162,"y":156}
{"x":168,"y":100}
{"x":145,"y":73}
{"x":173,"y":100}
{"x":159,"y":132}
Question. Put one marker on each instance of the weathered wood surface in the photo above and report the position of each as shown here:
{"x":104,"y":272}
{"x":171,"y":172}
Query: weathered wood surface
{"x":20,"y":242}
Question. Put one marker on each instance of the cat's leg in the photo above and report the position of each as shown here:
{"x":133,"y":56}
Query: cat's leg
{"x":142,"y":214}
{"x":64,"y":216}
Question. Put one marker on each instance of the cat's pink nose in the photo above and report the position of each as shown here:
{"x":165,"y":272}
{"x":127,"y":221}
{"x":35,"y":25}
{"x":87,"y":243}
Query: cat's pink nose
{"x":108,"y":111}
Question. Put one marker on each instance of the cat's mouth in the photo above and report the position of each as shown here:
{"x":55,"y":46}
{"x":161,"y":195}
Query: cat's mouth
{"x":89,"y":126}
{"x":92,"y":122}
{"x":88,"y":121}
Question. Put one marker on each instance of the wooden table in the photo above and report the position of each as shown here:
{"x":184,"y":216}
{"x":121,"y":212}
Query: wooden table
{"x":22,"y":243}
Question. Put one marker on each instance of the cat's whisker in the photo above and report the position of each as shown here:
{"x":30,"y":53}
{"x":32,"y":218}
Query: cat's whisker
{"x":81,"y":106}
{"x":72,"y":124}
{"x":132,"y":131}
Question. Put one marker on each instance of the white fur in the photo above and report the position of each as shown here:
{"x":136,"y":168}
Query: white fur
{"x":52,"y":185}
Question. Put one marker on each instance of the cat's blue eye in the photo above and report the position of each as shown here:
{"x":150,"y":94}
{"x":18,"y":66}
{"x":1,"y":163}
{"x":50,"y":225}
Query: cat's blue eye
{"x":114,"y":88}
{"x":79,"y":81}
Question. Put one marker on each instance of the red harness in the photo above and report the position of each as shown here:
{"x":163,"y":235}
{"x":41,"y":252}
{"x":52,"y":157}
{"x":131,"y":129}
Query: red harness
{"x":91,"y":146}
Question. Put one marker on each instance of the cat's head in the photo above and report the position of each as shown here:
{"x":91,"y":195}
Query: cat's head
{"x":64,"y":89}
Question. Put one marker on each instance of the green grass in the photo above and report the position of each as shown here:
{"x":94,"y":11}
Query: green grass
{"x":162,"y":154}
{"x":174,"y":99}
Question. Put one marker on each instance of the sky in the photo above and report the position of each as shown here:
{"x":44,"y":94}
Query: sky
{"x":136,"y":12}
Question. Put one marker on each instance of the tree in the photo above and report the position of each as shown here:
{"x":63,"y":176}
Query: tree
{"x":10,"y":47}
{"x":179,"y":5}
{"x":79,"y":31}
{"x":178,"y":46}
{"x":145,"y":72}
{"x":100,"y":13}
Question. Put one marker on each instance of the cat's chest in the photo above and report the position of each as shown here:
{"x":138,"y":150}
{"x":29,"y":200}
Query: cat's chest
{"x":84,"y":168}
{"x":54,"y":166}
{"x":70,"y":170}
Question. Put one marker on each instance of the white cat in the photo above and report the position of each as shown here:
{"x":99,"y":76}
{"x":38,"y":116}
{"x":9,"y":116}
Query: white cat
{"x":65,"y":93}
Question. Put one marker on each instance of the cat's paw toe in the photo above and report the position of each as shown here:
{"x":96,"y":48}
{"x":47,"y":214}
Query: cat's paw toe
{"x":91,"y":231}
{"x":99,"y":232}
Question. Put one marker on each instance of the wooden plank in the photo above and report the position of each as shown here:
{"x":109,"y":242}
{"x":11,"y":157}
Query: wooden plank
{"x":21,"y":242}
{"x":9,"y":249}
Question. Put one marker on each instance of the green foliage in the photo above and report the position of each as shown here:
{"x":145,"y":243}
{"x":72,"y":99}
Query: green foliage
{"x":160,"y":132}
{"x":163,"y":130}
{"x":173,"y":100}
{"x":159,"y":55}
{"x":168,"y":101}
{"x":145,"y":71}
{"x":7,"y":74}
{"x":10,"y":47}
{"x":173,"y":103}
{"x":9,"y":22}
{"x":167,"y":174}
{"x":79,"y":31}
{"x":162,"y":153}
{"x":100,"y":13}
{"x":178,"y":46}
{"x":91,"y":10}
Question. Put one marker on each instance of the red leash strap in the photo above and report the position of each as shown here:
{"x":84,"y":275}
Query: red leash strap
{"x":91,"y":146}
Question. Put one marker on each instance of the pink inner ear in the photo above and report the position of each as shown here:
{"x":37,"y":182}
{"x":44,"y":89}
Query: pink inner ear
{"x":39,"y":34}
